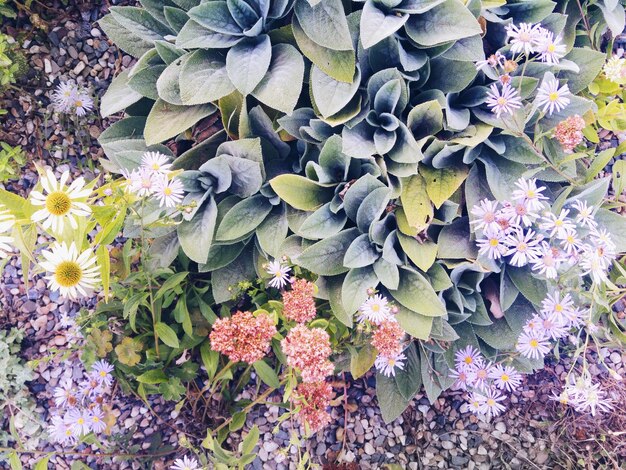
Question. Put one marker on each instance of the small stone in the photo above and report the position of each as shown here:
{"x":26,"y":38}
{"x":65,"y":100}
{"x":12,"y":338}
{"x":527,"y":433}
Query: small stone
{"x":60,"y":340}
{"x":79,"y":68}
{"x":500,"y":426}
{"x":482,"y":450}
{"x":615,"y":358}
{"x":369,"y":448}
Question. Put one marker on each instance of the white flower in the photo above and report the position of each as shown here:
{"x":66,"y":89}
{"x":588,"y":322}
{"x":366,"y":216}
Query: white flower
{"x":615,"y":69}
{"x":585,"y":214}
{"x":156,"y":162}
{"x":530,"y":193}
{"x":78,"y":420}
{"x":186,"y":463}
{"x":461,"y":376}
{"x":519,"y":213}
{"x":587,"y":397}
{"x":492,"y":245}
{"x":555,"y":307}
{"x":64,"y":96}
{"x":602,"y":238}
{"x":60,"y":432}
{"x":505,"y":378}
{"x":595,"y":262}
{"x":83,"y":103}
{"x":534,"y":325}
{"x":468,"y":357}
{"x":523,"y":246}
{"x":560,"y":226}
{"x":476,"y":401}
{"x":523,"y":37}
{"x":101,"y":371}
{"x":548,"y":261}
{"x":375,"y":309}
{"x":168,"y":192}
{"x":492,"y":61}
{"x":551,"y":49}
{"x":280,"y":274}
{"x":61,"y":203}
{"x":388,"y":365}
{"x":141,"y":181}
{"x":72,"y":274}
{"x":503,"y":101}
{"x":532,"y":345}
{"x":571,"y":243}
{"x":486,"y":214}
{"x":6,"y":241}
{"x":491,"y":405}
{"x":65,"y":395}
{"x":96,"y":419}
{"x":552,"y":97}
{"x":478,"y":375}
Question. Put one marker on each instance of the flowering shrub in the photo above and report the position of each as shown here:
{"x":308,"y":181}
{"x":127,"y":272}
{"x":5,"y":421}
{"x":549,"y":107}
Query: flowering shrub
{"x":420,"y":207}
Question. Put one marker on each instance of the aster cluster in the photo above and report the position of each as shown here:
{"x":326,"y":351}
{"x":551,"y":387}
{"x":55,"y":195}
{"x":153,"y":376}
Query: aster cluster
{"x":531,"y":42}
{"x":485,"y":381}
{"x":71,"y":98}
{"x":569,"y":133}
{"x":524,"y":232}
{"x":615,"y":69}
{"x":308,"y":350}
{"x":243,"y":337}
{"x":313,"y":400}
{"x":154,"y":179}
{"x":584,"y":396}
{"x":299,"y":303}
{"x":387,"y":334}
{"x":81,"y":407}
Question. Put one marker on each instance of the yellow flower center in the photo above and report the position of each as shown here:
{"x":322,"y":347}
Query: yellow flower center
{"x":558,"y":308}
{"x":534,"y":343}
{"x":375,"y":308}
{"x":103,"y":373}
{"x":95,"y":419}
{"x":553,"y":96}
{"x":493,"y":242}
{"x":78,"y":104}
{"x":468,"y":360}
{"x":504,"y":378}
{"x":80,"y":421}
{"x":522,"y":246}
{"x":491,"y":402}
{"x":68,"y":432}
{"x":558,"y":223}
{"x":167,"y":191}
{"x":58,"y":203}
{"x":392,"y":362}
{"x":68,"y":273}
{"x":501,"y":101}
{"x":155,"y":166}
{"x":530,"y":194}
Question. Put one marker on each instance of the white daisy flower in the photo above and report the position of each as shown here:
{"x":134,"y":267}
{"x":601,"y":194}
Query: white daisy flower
{"x":60,"y":432}
{"x":461,"y":378}
{"x":156,"y":162}
{"x":533,"y":345}
{"x":280,"y":274}
{"x":65,"y":395}
{"x":63,"y":97}
{"x":523,"y":246}
{"x":491,"y":405}
{"x":551,"y":96}
{"x":595,"y":263}
{"x":61,"y":203}
{"x":71,"y":273}
{"x":388,"y":365}
{"x":141,"y":181}
{"x":96,"y":418}
{"x":615,"y":69}
{"x":493,"y":61}
{"x":375,"y":309}
{"x":548,"y":261}
{"x":468,"y":357}
{"x":475,"y":404}
{"x":503,"y":101}
{"x":492,"y":245}
{"x":486,"y":213}
{"x":168,"y":192}
{"x":529,"y":192}
{"x":553,"y":306}
{"x":533,"y":325}
{"x":560,"y":226}
{"x":83,"y":103}
{"x":602,"y":238}
{"x":553,"y":328}
{"x":519,"y":213}
{"x":571,"y":243}
{"x":505,"y":377}
{"x":551,"y":49}
{"x":585,"y":214}
{"x":523,"y":37}
{"x":186,"y":463}
{"x":479,"y":375}
{"x":78,"y":421}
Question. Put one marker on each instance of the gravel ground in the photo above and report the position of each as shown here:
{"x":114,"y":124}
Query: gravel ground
{"x":534,"y":433}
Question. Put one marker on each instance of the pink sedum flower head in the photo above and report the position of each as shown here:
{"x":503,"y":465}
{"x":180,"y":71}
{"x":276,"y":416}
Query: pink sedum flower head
{"x":375,"y":309}
{"x":313,"y":400}
{"x":387,"y":338}
{"x":505,"y":377}
{"x":299,"y":302}
{"x":186,"y":463}
{"x":569,"y":133}
{"x":169,"y":192}
{"x":551,"y":96}
{"x":505,"y":100}
{"x":243,"y":337}
{"x":387,"y":365}
{"x":279,"y":273}
{"x":533,"y":345}
{"x":308,"y":350}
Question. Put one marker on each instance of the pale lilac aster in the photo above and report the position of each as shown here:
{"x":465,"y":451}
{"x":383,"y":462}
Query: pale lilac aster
{"x":505,"y":377}
{"x":141,"y":181}
{"x":570,"y":243}
{"x":534,"y":325}
{"x":559,"y":226}
{"x":387,"y":365}
{"x":65,"y":395}
{"x":60,"y":432}
{"x":169,"y":192}
{"x":523,"y":37}
{"x":505,"y":100}
{"x":96,"y":419}
{"x":519,"y":213}
{"x":553,"y":328}
{"x":491,"y":405}
{"x":532,"y":345}
{"x":585,"y":214}
{"x":279,"y":273}
{"x":468,"y":357}
{"x":548,"y":261}
{"x":595,"y":263}
{"x":156,"y":162}
{"x":186,"y":463}
{"x":551,"y":49}
{"x":492,"y":245}
{"x":529,"y":193}
{"x":486,"y":213}
{"x":78,"y":420}
{"x":101,"y":371}
{"x":90,"y":388}
{"x":522,"y":246}
{"x":475,"y":403}
{"x":461,"y":378}
{"x":375,"y":309}
{"x":555,"y":307}
{"x":602,"y":238}
{"x":587,"y":397}
{"x":574,"y":318}
{"x":551,"y":96}
{"x":63,"y":97}
{"x":492,"y":61}
{"x":479,"y":375}
{"x":83,"y":103}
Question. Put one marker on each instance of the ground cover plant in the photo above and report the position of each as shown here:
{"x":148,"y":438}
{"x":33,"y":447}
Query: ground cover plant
{"x":410,"y":186}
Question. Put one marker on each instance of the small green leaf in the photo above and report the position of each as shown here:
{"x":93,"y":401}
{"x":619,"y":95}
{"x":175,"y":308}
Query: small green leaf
{"x":170,"y":283}
{"x":441,"y":183}
{"x":167,"y":335}
{"x":416,"y":294}
{"x":266,"y":373}
{"x":300,"y":192}
{"x":154,"y":376}
{"x":362,"y":360}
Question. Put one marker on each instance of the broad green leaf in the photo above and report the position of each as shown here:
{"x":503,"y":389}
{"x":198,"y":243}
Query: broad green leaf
{"x":425,"y":119}
{"x":125,"y":39}
{"x":140,"y":22}
{"x":409,"y":378}
{"x":446,"y":22}
{"x":242,"y":269}
{"x":167,"y":335}
{"x":616,"y":225}
{"x":362,"y":360}
{"x":203,"y":222}
{"x":355,"y":287}
{"x":42,"y":464}
{"x":155,"y":376}
{"x":325,"y":23}
{"x":390,"y":400}
{"x":266,"y":373}
{"x":300,"y":192}
{"x":243,"y":218}
{"x":203,"y":78}
{"x":322,"y":223}
{"x":118,"y":96}
{"x":443,"y":183}
{"x":334,"y":285}
{"x":104,"y":262}
{"x":360,"y":253}
{"x":416,"y":294}
{"x":330,"y":95}
{"x":590,"y":63}
{"x":417,"y":325}
{"x":423,"y":254}
{"x":271,"y":233}
{"x":454,"y":241}
{"x":170,"y":284}
{"x":251,"y":440}
{"x":167,"y":120}
{"x":416,"y":203}
{"x":326,"y":256}
{"x":281,"y":85}
{"x":248,"y":61}
{"x":376,"y":24}
{"x":372,"y":207}
{"x":532,"y":288}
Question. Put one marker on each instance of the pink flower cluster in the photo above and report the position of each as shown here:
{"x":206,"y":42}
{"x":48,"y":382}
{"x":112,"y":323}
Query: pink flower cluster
{"x":313,"y":400}
{"x":299,"y":303}
{"x":243,"y":337}
{"x":486,"y":381}
{"x":569,"y":132}
{"x":81,"y":407}
{"x":308,"y":350}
